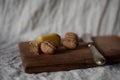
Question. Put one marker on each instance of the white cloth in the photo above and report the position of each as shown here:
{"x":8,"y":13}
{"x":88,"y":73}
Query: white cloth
{"x":22,"y":20}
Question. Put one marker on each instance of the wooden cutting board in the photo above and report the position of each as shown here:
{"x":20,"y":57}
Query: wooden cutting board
{"x":81,"y":57}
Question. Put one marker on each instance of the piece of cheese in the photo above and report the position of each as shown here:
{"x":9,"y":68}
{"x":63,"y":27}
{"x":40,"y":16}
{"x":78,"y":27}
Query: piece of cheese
{"x":52,"y":37}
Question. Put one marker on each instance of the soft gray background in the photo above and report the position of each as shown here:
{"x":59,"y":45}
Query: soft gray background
{"x":22,"y":20}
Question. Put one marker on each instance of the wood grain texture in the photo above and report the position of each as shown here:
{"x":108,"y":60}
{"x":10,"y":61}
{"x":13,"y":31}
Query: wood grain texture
{"x":81,"y":57}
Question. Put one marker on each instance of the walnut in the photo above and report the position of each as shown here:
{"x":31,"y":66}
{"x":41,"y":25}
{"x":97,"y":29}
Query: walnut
{"x":48,"y":47}
{"x":70,"y":41}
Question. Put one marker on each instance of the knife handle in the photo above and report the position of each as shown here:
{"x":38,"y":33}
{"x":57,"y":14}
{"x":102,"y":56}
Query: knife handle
{"x":97,"y":56}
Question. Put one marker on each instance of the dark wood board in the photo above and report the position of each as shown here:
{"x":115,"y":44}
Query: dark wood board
{"x":63,"y":60}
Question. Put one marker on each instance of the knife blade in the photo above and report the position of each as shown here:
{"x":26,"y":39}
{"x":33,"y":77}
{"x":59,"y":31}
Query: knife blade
{"x":99,"y":59}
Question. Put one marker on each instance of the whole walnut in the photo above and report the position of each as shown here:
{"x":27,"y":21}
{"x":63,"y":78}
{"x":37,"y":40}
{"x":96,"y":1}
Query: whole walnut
{"x":70,"y":41}
{"x":48,"y":47}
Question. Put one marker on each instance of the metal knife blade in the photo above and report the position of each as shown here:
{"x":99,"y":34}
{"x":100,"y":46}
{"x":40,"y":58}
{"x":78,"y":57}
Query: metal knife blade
{"x":87,"y":38}
{"x":97,"y":56}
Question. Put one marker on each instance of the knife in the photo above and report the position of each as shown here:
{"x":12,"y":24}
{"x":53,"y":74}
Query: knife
{"x":97,"y":56}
